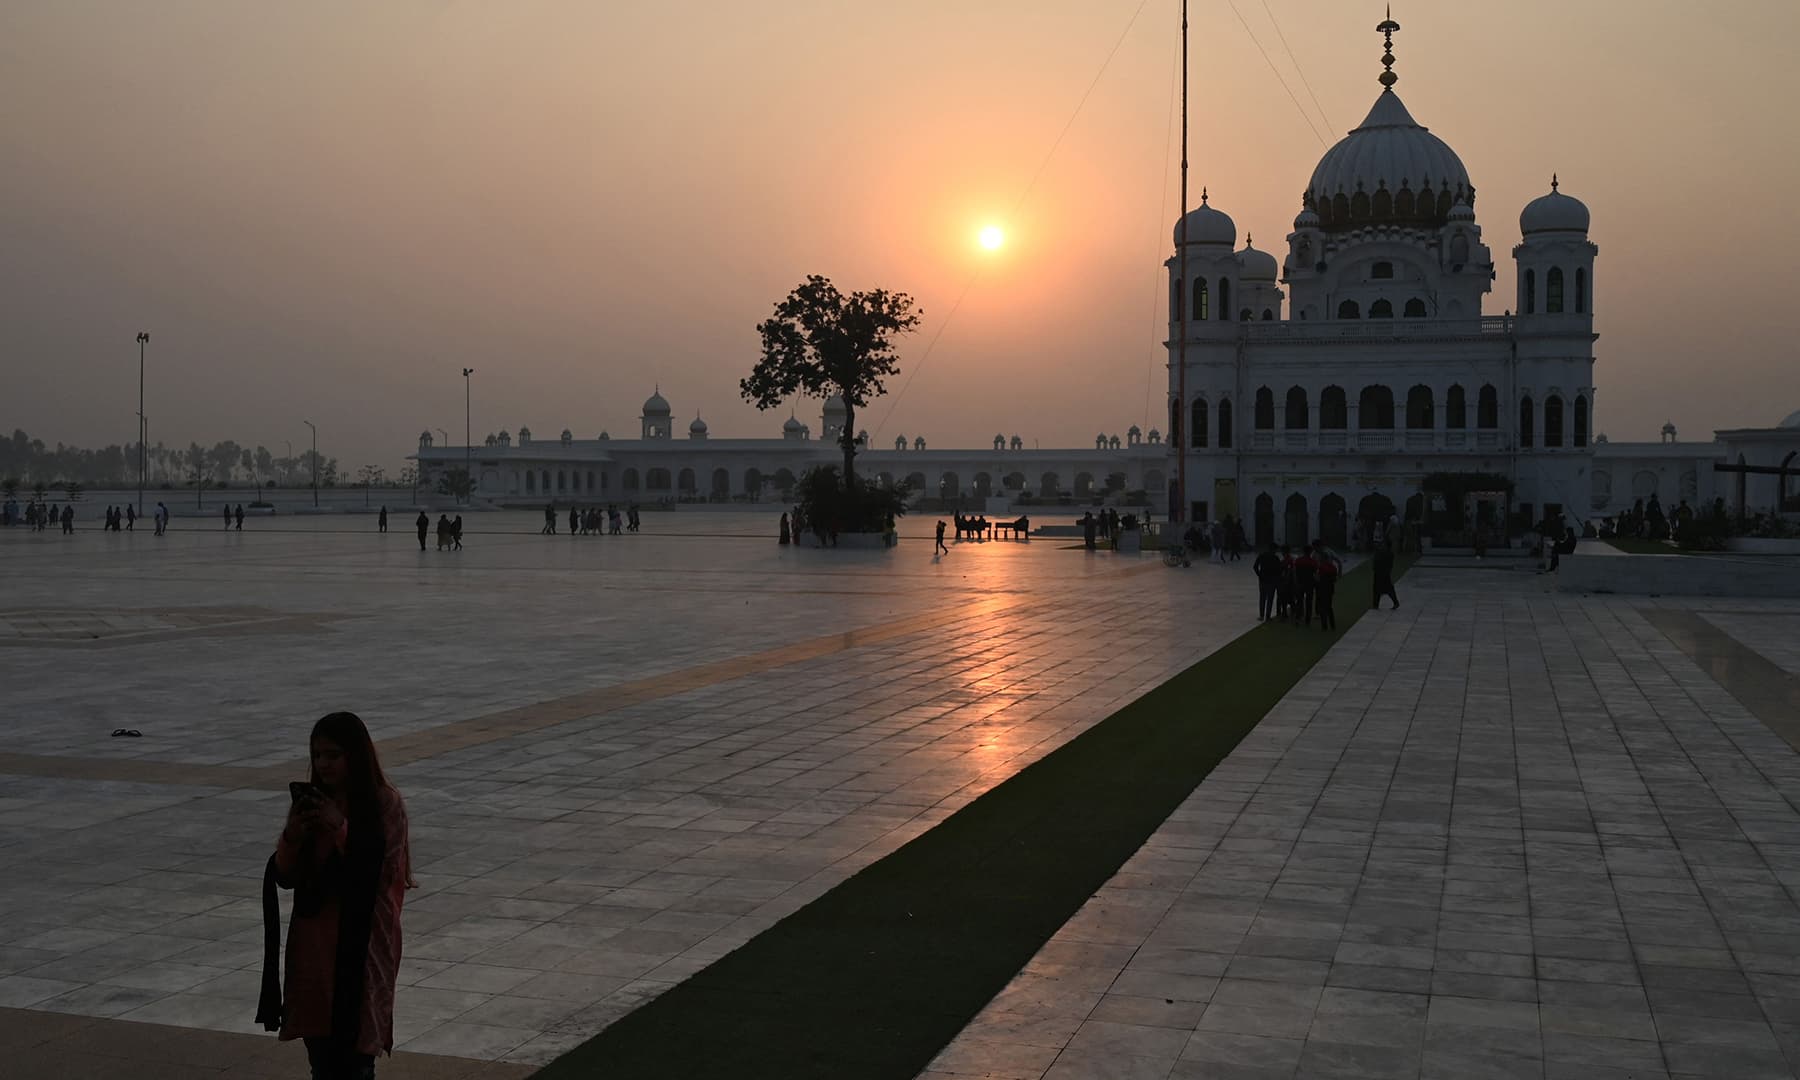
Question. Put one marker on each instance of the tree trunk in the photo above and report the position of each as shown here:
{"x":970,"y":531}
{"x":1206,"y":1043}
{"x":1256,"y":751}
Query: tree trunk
{"x":847,"y":440}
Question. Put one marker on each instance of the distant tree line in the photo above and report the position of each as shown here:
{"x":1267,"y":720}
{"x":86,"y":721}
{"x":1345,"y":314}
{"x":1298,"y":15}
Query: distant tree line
{"x":225,"y":464}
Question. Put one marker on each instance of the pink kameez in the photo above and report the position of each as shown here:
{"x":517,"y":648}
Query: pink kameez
{"x":312,"y":939}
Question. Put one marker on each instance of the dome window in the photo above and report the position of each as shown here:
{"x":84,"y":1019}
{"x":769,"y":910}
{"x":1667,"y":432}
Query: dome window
{"x":1268,"y":315}
{"x":1201,"y":308}
{"x":1553,"y":421}
{"x":1381,"y":309}
{"x":1225,"y":424}
{"x":1224,"y":299}
{"x":1553,"y":291}
{"x":1349,"y":310}
{"x":1581,"y":420}
{"x":1334,"y":409}
{"x":1197,"y":424}
{"x":1580,"y":291}
{"x":1526,"y":415}
{"x":1487,"y":408}
{"x":1382,"y":270}
{"x":1528,"y":297}
{"x":1456,"y":408}
{"x":1415,"y":308}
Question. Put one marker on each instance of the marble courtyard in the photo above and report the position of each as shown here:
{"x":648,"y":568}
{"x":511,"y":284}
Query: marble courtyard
{"x":1499,"y":832}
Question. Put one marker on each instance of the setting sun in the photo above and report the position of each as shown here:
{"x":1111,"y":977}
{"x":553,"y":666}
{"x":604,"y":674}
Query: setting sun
{"x":991,"y":237}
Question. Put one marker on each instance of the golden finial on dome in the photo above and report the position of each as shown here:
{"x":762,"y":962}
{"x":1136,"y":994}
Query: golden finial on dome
{"x":1202,"y":196}
{"x":1386,"y":28}
{"x":1552,"y":181}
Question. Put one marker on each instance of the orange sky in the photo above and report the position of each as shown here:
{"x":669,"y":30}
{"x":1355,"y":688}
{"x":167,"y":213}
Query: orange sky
{"x":324,"y":210}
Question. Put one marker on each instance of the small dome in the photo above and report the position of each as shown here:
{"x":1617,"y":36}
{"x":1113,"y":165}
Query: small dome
{"x":1306,"y":219}
{"x":1258,"y":265}
{"x":698,"y":427}
{"x":1668,"y":427}
{"x":604,"y":437}
{"x":656,"y":404}
{"x":1461,"y":212}
{"x":1134,"y":430}
{"x":793,"y":424}
{"x":524,"y":433}
{"x":1554,"y":212}
{"x":567,"y":435}
{"x":1208,"y":226}
{"x":425,"y":437}
{"x":1792,"y":422}
{"x":834,"y":404}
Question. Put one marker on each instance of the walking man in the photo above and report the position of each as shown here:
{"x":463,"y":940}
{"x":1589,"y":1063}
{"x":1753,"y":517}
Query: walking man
{"x":381,"y":523}
{"x":1384,"y":577}
{"x":239,"y":514}
{"x":226,"y":510}
{"x":162,"y":519}
{"x":941,"y":546}
{"x":1306,"y":580}
{"x":130,"y":517}
{"x":424,"y":524}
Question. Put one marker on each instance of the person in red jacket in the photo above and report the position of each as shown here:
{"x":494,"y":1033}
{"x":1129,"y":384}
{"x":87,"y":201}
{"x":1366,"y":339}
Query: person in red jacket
{"x":1328,"y":569}
{"x":1306,"y":580}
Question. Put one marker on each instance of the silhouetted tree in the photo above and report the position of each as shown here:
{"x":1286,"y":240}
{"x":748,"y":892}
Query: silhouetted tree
{"x":821,"y":342}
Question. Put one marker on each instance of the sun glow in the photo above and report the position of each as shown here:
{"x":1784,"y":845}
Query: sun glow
{"x":991,"y":237}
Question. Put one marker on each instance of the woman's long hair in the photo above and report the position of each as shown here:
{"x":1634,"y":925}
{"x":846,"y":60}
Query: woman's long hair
{"x":363,"y":766}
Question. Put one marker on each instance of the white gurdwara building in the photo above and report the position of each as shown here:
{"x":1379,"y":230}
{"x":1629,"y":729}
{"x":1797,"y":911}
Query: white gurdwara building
{"x":1306,"y":408}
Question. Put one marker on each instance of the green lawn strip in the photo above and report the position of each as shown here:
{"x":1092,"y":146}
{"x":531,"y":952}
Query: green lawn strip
{"x":872,"y":979}
{"x":1631,"y":545}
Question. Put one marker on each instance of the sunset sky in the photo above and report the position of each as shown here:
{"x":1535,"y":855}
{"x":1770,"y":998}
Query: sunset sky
{"x":325,"y":210}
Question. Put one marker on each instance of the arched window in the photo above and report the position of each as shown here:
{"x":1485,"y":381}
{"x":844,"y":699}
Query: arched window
{"x":1553,"y":421}
{"x":561,"y":480}
{"x":1382,"y":270}
{"x":1382,"y":204}
{"x":1349,"y":310}
{"x":1197,"y":423}
{"x":1403,"y":203}
{"x":1359,"y":206}
{"x":1225,"y":424}
{"x":1265,"y":409}
{"x":1246,"y":315}
{"x":1580,"y":290}
{"x":1381,"y":309}
{"x":1415,"y":308}
{"x":1297,"y":419}
{"x":1174,"y":422}
{"x":1375,"y":409}
{"x":1340,"y":208}
{"x":1553,"y":291}
{"x":1175,"y":300}
{"x":1487,"y":408}
{"x":1199,"y":306}
{"x":531,"y":481}
{"x":1334,"y":409}
{"x":1456,"y":408}
{"x":1224,"y":298}
{"x":1420,"y":415}
{"x":1581,"y":411}
{"x":1268,"y":315}
{"x":1526,"y":416}
{"x":1528,"y":293}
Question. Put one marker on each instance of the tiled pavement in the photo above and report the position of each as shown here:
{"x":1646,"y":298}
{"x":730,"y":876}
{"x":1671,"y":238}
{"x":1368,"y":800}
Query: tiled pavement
{"x":622,"y":757}
{"x":1497,"y":833}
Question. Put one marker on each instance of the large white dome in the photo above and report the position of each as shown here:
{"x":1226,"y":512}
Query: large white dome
{"x":1391,"y":153}
{"x":1792,"y":422}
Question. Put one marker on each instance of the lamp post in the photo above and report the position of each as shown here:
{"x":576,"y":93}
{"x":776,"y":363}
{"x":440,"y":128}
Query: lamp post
{"x":315,"y":461}
{"x":143,"y":339}
{"x":468,"y":442}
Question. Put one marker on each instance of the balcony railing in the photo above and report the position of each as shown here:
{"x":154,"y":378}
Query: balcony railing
{"x":1421,"y":440}
{"x":1486,"y":326}
{"x":1375,"y":440}
{"x":1262,"y":440}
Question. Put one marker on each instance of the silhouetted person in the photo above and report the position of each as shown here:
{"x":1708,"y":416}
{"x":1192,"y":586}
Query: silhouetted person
{"x":1326,"y":590}
{"x":226,"y":511}
{"x":381,"y":522}
{"x":574,"y":521}
{"x":549,"y":528}
{"x":1089,"y":528}
{"x":1384,"y":577}
{"x":456,"y":533}
{"x":239,"y":514}
{"x":946,"y":550}
{"x":162,"y":519}
{"x":1267,"y":569}
{"x":68,"y":518}
{"x":424,"y":527}
{"x":130,"y":517}
{"x":1306,"y":580}
{"x":785,"y":535}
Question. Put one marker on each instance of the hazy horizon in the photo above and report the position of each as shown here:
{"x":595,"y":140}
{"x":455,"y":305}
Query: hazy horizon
{"x":326,"y":211}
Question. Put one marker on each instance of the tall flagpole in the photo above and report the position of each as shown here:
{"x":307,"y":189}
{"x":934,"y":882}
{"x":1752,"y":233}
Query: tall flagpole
{"x":1179,"y":512}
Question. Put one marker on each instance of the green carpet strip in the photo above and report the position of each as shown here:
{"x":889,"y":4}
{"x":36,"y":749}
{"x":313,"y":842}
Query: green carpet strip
{"x":871,"y":980}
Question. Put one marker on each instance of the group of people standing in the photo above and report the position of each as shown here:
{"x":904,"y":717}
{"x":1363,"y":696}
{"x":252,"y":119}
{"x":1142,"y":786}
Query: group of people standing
{"x":593,"y":521}
{"x":449,"y":533}
{"x":229,"y":515}
{"x":1295,"y":588}
{"x":39,"y":516}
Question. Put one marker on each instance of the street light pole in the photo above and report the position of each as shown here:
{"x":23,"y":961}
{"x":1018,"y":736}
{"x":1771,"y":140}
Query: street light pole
{"x":143,"y":339}
{"x":315,"y":461}
{"x":468,"y":441}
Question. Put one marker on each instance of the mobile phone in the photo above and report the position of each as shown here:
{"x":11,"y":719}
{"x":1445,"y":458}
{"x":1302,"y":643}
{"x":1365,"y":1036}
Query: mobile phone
{"x":301,"y":790}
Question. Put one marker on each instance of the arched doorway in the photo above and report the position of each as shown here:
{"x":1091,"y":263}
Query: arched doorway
{"x":721,"y":485}
{"x":1374,"y":507}
{"x":984,"y":485}
{"x":1265,"y":520}
{"x":784,"y":481}
{"x":1048,"y":485}
{"x":629,"y":481}
{"x":949,"y":486}
{"x":1334,"y":523}
{"x":753,"y":482}
{"x":1084,"y":485}
{"x":1294,"y":530}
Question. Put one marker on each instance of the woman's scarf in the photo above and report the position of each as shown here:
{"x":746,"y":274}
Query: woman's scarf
{"x":355,"y":879}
